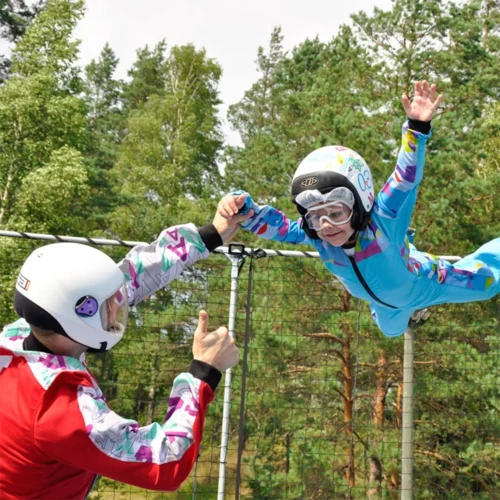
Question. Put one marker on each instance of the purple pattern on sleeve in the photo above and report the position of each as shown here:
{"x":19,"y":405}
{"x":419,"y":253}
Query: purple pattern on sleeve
{"x":149,"y":267}
{"x":409,"y":173}
{"x":144,"y":454}
{"x":123,"y":439}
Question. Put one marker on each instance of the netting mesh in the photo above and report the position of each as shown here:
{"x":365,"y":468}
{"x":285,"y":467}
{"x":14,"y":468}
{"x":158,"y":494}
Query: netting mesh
{"x":310,"y":348}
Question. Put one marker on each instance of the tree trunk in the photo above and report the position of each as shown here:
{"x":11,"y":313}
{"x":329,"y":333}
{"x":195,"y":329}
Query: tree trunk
{"x":348,"y":399}
{"x":375,"y":478}
{"x":376,"y":469}
{"x":151,"y":404}
{"x":394,"y":484}
{"x":399,"y":402}
{"x":5,"y":195}
{"x":380,"y":389}
{"x":486,"y":32}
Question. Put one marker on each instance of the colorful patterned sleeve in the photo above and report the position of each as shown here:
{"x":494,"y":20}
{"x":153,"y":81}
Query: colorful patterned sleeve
{"x":149,"y":267}
{"x":269,"y":223}
{"x":396,"y":200}
{"x":90,"y":436}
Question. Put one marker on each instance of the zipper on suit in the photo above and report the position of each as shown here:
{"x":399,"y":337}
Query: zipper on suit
{"x":365,"y":284}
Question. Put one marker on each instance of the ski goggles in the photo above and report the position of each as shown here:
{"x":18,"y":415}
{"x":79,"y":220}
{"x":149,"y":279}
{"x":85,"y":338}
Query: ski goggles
{"x":311,"y":197}
{"x":334,"y":212}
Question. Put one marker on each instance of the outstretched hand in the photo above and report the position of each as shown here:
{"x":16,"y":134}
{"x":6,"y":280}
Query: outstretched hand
{"x":424,"y":104}
{"x":227,"y":219}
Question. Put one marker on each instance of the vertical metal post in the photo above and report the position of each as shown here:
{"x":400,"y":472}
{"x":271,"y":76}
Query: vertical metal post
{"x":241,"y":430}
{"x":407,"y":420}
{"x":235,"y":265}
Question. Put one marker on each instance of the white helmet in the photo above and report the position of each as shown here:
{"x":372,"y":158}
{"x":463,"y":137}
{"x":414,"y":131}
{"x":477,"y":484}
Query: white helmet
{"x":331,"y":167}
{"x":74,"y":290}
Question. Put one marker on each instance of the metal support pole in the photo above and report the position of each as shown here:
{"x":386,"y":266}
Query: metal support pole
{"x":235,"y":268}
{"x":244,"y":372}
{"x":407,"y":420}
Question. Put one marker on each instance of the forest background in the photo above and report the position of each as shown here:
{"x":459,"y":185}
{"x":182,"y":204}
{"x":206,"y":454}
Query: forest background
{"x":84,"y":153}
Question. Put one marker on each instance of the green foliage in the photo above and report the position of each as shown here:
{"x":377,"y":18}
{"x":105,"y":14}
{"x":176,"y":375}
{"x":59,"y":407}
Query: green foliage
{"x":43,"y":181}
{"x":53,"y":196}
{"x":15,"y":17}
{"x":147,"y":76}
{"x":47,"y":45}
{"x":38,"y":111}
{"x":168,"y":160}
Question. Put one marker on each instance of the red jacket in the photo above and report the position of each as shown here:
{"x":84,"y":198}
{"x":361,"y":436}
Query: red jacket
{"x":56,"y":430}
{"x":58,"y":433}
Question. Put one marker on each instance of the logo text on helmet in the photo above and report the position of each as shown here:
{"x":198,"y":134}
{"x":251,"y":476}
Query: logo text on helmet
{"x":310,"y":181}
{"x":23,"y":283}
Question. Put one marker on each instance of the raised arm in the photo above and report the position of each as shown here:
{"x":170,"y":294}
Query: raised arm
{"x":265,"y":221}
{"x":396,"y":200}
{"x":149,"y":267}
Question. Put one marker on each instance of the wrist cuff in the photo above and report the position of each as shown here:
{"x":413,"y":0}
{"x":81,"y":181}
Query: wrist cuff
{"x":210,"y":237}
{"x":205,"y":372}
{"x":418,"y":126}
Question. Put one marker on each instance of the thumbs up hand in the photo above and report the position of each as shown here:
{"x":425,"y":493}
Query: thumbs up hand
{"x":215,"y":348}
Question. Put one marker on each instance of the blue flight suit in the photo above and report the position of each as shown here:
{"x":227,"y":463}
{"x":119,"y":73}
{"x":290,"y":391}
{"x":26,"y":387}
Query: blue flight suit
{"x":386,"y":269}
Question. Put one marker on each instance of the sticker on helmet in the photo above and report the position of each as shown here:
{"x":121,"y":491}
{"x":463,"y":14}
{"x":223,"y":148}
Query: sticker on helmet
{"x":87,"y":306}
{"x":356,"y":163}
{"x":365,"y":180}
{"x":23,"y":283}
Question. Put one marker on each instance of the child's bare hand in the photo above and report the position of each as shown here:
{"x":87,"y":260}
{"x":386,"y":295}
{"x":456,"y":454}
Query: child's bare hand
{"x":227,"y":219}
{"x":230,"y":205}
{"x":424,"y":104}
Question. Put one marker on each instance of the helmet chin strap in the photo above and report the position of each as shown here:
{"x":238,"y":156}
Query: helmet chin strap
{"x":94,"y":350}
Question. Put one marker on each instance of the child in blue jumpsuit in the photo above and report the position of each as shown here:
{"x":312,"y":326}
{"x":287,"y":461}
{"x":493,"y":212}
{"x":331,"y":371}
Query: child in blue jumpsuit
{"x":363,"y":241}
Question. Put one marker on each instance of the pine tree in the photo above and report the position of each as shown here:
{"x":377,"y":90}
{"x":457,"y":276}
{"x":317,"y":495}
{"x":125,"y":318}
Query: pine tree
{"x":106,"y":123}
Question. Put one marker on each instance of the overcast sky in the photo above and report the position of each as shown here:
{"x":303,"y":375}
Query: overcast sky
{"x":230,"y":30}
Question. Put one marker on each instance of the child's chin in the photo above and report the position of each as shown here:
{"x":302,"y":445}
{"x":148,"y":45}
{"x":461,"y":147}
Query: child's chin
{"x":336,"y":241}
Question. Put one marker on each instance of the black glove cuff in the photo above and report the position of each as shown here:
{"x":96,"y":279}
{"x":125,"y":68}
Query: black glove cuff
{"x":418,"y":126}
{"x":210,"y":237}
{"x":205,"y":372}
